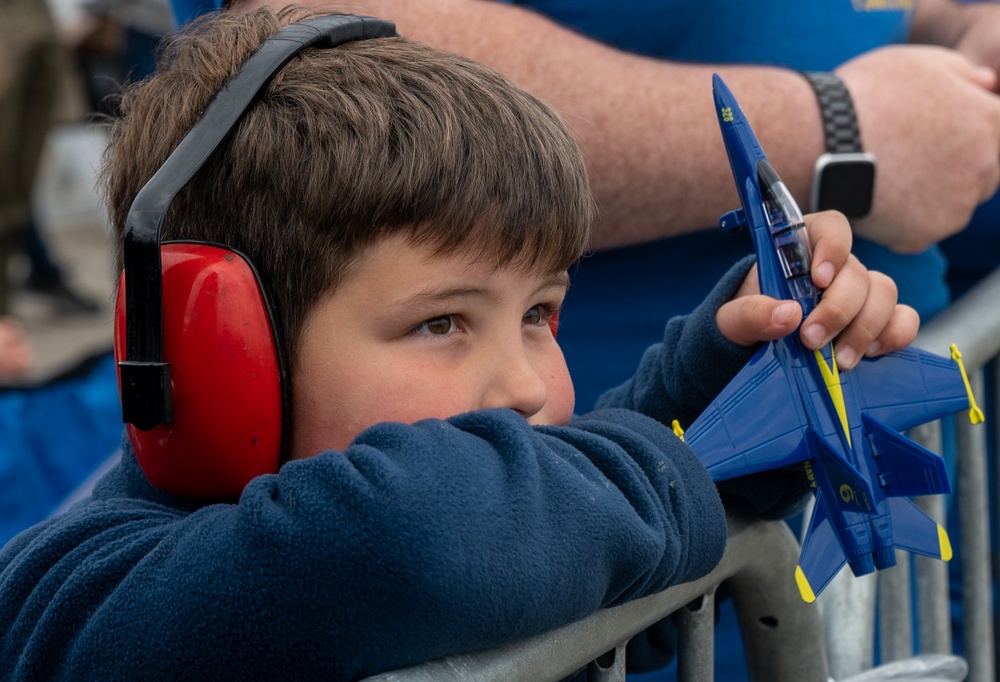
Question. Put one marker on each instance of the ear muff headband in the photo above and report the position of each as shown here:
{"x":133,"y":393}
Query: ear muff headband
{"x":145,"y":377}
{"x":164,"y":448}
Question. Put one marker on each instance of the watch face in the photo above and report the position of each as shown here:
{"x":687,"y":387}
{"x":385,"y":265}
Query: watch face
{"x":845,"y":183}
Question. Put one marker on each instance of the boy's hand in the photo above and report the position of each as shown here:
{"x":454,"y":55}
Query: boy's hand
{"x":858,"y":306}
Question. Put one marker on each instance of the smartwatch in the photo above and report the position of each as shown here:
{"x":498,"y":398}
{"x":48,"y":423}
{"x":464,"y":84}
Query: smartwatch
{"x":844,"y":177}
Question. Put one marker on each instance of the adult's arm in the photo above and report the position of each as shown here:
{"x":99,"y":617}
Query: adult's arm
{"x":650,"y":134}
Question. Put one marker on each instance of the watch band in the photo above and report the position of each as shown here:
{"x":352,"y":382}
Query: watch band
{"x":840,"y":122}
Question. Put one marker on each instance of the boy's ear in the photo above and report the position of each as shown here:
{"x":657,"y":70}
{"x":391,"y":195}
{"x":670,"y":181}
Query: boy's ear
{"x":225,"y":376}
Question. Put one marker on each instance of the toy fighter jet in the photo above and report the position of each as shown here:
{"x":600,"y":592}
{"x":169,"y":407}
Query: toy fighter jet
{"x":790,"y":405}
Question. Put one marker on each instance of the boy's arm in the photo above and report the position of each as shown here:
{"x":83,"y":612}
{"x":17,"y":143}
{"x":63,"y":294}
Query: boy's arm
{"x":679,"y":378}
{"x":416,"y":542}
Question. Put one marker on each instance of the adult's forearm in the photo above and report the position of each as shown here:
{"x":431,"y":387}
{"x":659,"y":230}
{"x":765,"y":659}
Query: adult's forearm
{"x":647,"y":127}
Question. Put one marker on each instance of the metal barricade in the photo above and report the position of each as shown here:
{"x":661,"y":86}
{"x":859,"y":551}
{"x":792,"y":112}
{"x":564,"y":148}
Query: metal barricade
{"x":782,"y":634}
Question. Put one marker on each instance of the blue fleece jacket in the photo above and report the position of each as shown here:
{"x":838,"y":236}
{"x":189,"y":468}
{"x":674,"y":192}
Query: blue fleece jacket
{"x":415,"y":542}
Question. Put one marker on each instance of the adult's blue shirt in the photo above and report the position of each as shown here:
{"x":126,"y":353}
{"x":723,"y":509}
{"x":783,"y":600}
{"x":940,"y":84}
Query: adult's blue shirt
{"x":717,"y":31}
{"x":620,"y":298}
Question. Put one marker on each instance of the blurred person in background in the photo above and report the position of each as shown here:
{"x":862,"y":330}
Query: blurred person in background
{"x":115,"y":42}
{"x":34,"y":59}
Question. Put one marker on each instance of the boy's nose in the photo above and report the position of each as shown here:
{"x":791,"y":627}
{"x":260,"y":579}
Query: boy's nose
{"x":514,"y":383}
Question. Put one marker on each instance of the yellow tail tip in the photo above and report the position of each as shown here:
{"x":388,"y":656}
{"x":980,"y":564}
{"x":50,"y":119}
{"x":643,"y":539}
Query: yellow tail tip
{"x":678,"y":431}
{"x":946,"y":553}
{"x":804,"y":588}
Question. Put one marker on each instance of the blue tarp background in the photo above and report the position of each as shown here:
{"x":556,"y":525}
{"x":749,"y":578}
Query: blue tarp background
{"x":52,"y":437}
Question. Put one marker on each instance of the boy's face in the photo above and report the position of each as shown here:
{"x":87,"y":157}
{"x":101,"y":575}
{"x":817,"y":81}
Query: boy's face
{"x":409,"y":335}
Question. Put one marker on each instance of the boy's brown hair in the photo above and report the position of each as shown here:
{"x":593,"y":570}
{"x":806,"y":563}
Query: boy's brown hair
{"x":347,"y":146}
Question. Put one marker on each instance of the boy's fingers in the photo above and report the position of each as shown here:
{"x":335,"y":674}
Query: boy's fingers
{"x":841,"y":303}
{"x":755,"y":318}
{"x":831,"y":238}
{"x":870,"y":322}
{"x":899,"y":333}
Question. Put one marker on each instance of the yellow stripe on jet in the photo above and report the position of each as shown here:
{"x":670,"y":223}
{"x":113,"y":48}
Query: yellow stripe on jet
{"x":804,"y":588}
{"x":831,"y":375}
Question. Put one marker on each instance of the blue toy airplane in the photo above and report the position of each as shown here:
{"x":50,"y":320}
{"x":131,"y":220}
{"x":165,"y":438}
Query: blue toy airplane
{"x":791,"y":405}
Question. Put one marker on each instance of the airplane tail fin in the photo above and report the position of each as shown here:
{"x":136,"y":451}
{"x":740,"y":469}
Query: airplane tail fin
{"x":822,"y":556}
{"x":905,"y":468}
{"x":913,"y":530}
{"x":850,"y":489}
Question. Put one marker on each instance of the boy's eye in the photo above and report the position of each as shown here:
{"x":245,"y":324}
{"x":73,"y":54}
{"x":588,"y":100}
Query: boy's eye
{"x":538,"y":315}
{"x":436,"y":325}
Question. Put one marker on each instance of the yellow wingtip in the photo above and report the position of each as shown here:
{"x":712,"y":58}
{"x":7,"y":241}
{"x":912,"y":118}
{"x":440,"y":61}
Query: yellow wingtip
{"x":804,"y":588}
{"x":946,"y":553}
{"x":976,"y":415}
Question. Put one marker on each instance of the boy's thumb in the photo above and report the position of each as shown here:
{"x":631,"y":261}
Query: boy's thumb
{"x":752,"y":319}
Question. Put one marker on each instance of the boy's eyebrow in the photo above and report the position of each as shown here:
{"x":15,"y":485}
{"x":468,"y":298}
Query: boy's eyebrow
{"x":560,"y":280}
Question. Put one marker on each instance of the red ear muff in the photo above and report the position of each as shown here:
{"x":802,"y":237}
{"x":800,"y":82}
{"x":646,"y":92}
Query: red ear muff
{"x":226,"y":425}
{"x":199,"y":367}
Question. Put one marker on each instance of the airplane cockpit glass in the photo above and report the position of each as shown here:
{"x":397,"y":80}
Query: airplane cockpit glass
{"x":793,"y":247}
{"x":794,"y":254}
{"x":779,"y":207}
{"x":788,"y":230}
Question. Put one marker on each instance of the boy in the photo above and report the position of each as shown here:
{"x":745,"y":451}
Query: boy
{"x":413,"y":215}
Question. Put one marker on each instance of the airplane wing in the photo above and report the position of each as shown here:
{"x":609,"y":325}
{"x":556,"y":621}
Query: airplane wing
{"x":907,"y":388}
{"x":730,"y":435}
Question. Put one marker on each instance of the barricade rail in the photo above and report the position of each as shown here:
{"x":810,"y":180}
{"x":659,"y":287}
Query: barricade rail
{"x":786,"y":639}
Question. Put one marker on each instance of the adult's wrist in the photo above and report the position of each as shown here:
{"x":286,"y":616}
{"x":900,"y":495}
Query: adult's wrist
{"x":844,"y":175}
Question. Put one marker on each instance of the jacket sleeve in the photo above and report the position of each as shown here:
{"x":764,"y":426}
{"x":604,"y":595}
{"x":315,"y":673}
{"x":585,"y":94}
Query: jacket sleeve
{"x":416,"y":542}
{"x":679,"y":378}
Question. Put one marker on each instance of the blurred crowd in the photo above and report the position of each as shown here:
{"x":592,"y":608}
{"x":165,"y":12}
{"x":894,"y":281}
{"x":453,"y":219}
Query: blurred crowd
{"x":61,"y":61}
